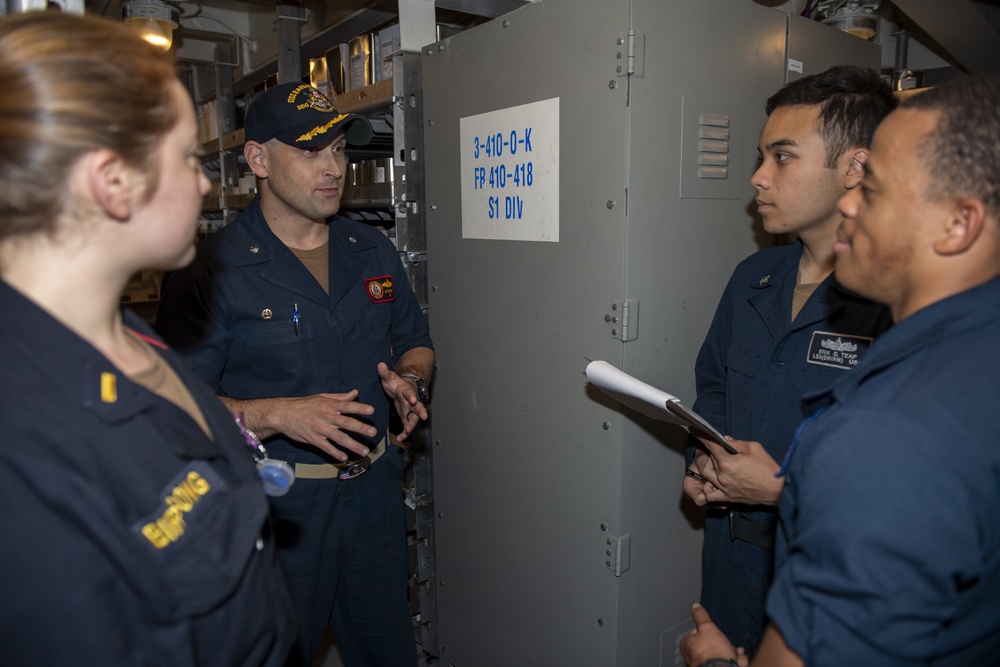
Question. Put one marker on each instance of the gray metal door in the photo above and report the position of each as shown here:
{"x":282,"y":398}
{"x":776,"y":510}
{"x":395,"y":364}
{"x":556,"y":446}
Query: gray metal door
{"x":562,"y":537}
{"x":524,"y":474}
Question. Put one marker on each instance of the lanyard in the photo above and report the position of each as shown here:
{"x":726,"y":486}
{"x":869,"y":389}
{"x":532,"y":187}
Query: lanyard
{"x":277,"y":477}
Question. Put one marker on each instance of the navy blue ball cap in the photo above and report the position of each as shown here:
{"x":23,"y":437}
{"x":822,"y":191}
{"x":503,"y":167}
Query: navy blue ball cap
{"x":299,"y":115}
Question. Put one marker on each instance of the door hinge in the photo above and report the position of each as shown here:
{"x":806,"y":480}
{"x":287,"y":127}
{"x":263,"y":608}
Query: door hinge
{"x":631,"y":54}
{"x":624,"y":319}
{"x":616,"y":551}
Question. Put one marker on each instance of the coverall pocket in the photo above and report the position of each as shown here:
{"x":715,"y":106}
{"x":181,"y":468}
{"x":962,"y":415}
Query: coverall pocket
{"x":265,"y":334}
{"x":379,"y":319}
{"x":202,"y":537}
{"x":743,"y":362}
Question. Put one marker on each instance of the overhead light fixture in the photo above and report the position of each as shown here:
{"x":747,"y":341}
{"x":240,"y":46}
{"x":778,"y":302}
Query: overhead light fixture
{"x":856,"y":17}
{"x":864,"y":25}
{"x":152,"y":19}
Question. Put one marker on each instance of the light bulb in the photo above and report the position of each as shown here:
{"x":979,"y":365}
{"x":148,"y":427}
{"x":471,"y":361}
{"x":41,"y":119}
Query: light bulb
{"x":154,"y":31}
{"x":152,"y":20}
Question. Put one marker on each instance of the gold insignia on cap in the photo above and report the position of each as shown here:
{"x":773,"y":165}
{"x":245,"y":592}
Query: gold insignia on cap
{"x":266,"y":313}
{"x":314,"y":99}
{"x":255,"y":249}
{"x":322,"y":129}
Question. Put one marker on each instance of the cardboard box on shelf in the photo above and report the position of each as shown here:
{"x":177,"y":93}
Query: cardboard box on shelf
{"x":361,"y":62}
{"x":248,"y":184}
{"x":208,"y":122}
{"x":338,"y":61}
{"x":388,"y":46}
{"x":319,"y":77}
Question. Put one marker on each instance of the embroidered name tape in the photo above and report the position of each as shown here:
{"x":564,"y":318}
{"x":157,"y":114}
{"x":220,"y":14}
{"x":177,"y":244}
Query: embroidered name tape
{"x":837,"y":350}
{"x":183,"y":502}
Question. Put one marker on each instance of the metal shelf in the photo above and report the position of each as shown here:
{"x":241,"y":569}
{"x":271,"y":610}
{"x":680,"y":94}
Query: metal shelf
{"x":370,"y":97}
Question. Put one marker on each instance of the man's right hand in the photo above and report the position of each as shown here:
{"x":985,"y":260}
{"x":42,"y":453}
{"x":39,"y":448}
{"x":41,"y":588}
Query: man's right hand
{"x":700,"y":490}
{"x":747,"y":478}
{"x":324,"y":421}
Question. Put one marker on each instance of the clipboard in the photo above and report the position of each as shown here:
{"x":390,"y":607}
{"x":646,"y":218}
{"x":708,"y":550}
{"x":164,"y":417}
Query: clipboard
{"x":650,"y":401}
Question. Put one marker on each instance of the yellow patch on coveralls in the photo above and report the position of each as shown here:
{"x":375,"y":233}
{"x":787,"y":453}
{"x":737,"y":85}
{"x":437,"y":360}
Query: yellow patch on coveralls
{"x":109,"y":387}
{"x":181,"y":500}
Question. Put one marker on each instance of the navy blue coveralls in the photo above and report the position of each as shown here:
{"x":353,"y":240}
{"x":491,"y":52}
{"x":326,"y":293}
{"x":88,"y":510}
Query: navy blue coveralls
{"x":751,"y":374}
{"x":889,"y":544}
{"x":129,"y":537}
{"x":341,"y":543}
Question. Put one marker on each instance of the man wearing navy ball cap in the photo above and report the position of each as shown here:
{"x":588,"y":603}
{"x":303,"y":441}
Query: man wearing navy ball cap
{"x":306,"y":325}
{"x":301,"y":116}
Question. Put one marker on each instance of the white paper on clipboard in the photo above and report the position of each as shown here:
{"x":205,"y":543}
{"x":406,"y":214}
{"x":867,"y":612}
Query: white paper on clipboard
{"x":650,"y":401}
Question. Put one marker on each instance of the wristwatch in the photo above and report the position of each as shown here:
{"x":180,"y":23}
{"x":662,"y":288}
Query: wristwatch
{"x":421,"y":385}
{"x":719,"y":662}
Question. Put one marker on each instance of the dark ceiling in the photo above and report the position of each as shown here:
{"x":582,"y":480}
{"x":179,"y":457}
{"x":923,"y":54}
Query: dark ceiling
{"x":963,"y":33}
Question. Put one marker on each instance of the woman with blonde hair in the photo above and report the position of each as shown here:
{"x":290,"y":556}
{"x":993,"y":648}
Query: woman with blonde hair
{"x":135,"y":527}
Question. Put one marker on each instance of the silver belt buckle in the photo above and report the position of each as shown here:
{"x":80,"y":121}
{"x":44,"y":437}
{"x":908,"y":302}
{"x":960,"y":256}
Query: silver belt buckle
{"x":354,"y":469}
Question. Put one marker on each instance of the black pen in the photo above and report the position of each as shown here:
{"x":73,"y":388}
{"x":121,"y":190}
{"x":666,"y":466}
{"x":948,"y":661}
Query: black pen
{"x":295,"y":318}
{"x":695,"y":476}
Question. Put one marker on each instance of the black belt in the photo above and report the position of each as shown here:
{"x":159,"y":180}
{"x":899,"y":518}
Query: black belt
{"x":745,"y":529}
